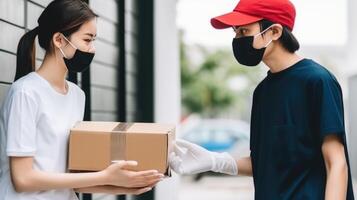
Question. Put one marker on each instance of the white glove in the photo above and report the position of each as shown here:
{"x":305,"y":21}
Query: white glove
{"x":189,"y":158}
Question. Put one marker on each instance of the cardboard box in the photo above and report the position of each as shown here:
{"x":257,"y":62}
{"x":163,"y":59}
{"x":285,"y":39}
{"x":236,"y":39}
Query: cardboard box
{"x":93,"y":145}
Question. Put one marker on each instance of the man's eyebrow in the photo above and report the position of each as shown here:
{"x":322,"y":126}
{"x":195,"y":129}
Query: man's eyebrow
{"x":243,"y":27}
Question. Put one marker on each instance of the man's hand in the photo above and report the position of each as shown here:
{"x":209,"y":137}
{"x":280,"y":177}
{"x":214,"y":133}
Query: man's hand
{"x":189,"y":158}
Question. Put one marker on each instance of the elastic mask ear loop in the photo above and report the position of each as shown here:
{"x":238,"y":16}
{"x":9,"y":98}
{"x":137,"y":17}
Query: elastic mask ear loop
{"x":268,"y":43}
{"x":264,"y":32}
{"x":62,"y":53}
{"x":69,"y":42}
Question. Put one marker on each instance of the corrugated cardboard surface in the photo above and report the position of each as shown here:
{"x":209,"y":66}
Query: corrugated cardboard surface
{"x":93,"y":145}
{"x":149,"y":149}
{"x":89,"y":150}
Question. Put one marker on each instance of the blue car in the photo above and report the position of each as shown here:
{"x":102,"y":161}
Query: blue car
{"x":218,"y":135}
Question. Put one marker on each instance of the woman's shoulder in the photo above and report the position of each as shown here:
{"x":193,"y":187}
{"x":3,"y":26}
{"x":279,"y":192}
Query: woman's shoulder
{"x":23,"y":89}
{"x":25,"y":84}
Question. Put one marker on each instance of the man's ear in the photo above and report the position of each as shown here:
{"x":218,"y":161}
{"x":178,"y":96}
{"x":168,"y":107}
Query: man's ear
{"x":277,"y":31}
{"x":58,"y":40}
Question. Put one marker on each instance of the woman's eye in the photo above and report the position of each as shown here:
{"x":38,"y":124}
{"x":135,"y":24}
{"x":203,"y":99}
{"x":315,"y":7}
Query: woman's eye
{"x":89,"y":40}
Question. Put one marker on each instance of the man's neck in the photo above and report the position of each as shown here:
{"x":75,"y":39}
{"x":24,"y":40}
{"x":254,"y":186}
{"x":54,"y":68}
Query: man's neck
{"x":281,"y":59}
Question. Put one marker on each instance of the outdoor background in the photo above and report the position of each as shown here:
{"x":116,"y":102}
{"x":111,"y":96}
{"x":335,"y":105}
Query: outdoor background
{"x":161,"y":61}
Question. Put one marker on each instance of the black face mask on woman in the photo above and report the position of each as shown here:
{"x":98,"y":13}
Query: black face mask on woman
{"x":80,"y":60}
{"x":245,"y":53}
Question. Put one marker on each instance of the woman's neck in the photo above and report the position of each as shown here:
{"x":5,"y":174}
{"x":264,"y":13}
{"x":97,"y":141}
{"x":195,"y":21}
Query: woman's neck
{"x":281,"y":59}
{"x":54,"y":70}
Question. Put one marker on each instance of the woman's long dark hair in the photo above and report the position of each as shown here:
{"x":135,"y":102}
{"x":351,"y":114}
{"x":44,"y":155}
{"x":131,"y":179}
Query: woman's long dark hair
{"x":64,"y":16}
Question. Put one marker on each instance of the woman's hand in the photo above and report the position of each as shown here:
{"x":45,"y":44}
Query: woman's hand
{"x":189,"y":158}
{"x":114,"y":190}
{"x":117,"y":175}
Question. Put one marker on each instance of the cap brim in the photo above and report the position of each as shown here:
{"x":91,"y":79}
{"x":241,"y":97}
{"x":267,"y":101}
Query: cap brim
{"x":233,"y":19}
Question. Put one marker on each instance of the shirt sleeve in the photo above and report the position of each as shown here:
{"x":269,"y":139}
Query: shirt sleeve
{"x":82,"y":104}
{"x":329,"y":107}
{"x":21,"y":125}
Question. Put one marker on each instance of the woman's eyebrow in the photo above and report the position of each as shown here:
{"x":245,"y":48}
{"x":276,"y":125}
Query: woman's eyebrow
{"x":91,"y":35}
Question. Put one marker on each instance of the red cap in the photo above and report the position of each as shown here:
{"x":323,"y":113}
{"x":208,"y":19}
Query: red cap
{"x":249,"y":11}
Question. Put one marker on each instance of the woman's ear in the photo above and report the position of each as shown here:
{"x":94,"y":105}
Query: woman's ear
{"x":58,"y":40}
{"x":277,"y":31}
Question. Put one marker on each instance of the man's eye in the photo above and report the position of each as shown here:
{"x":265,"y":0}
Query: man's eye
{"x":242,"y":31}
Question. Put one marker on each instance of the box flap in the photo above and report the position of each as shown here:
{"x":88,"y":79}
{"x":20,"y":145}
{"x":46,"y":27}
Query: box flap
{"x":151,"y":128}
{"x":95,"y":126}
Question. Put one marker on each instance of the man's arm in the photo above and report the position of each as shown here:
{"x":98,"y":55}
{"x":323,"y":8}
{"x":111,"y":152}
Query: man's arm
{"x":189,"y":158}
{"x":336,"y":168}
{"x":245,"y":166}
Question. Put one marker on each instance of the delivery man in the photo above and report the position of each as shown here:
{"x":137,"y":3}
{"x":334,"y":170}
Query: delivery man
{"x":298,"y":139}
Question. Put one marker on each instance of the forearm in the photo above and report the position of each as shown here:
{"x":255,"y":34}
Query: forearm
{"x":336,"y":168}
{"x":105,"y":189}
{"x":40,"y":181}
{"x":27,"y":179}
{"x":113,"y":190}
{"x":337,"y":181}
{"x":245,"y":166}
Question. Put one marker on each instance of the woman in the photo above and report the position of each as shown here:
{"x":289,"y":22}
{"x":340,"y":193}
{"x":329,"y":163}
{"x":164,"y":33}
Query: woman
{"x":41,"y":107}
{"x":298,"y":142}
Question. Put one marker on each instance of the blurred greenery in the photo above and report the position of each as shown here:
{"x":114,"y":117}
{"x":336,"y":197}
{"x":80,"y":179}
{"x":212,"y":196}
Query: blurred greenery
{"x":206,"y":88}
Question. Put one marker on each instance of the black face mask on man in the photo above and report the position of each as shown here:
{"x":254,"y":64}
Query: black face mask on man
{"x":80,"y":60}
{"x":245,"y":53}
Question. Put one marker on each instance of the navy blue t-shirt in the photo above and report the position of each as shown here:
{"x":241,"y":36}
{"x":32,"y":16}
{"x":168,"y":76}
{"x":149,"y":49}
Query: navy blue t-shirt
{"x":293,"y":110}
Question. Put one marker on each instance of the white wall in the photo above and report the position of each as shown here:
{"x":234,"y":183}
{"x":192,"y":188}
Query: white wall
{"x":351,"y":73}
{"x":167,"y":79}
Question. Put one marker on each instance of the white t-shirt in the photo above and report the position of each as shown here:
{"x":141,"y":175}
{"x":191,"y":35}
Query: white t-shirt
{"x":34,"y":121}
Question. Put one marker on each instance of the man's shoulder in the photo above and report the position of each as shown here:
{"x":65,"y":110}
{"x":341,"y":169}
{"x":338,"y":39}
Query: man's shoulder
{"x":314,"y":71}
